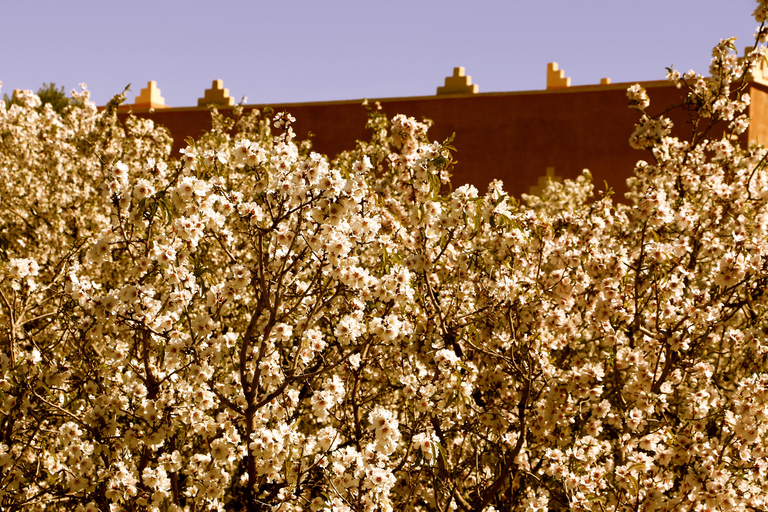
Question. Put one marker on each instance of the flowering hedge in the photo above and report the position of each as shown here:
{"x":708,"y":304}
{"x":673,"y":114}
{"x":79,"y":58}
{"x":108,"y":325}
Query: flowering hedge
{"x":255,"y":327}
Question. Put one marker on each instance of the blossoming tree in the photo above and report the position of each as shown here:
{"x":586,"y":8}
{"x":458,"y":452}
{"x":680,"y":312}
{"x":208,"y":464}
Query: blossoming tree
{"x":253,"y":326}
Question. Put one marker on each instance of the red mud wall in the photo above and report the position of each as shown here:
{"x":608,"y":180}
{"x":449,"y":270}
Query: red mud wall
{"x":513,"y":137}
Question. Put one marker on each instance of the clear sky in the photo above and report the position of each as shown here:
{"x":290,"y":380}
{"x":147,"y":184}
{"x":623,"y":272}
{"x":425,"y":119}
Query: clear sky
{"x":313,"y":50}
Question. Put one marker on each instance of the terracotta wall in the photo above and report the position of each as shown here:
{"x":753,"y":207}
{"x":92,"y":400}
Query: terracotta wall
{"x":514,"y":137}
{"x":758,"y":112}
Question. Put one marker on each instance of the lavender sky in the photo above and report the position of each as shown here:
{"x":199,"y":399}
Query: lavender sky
{"x":281,"y":51}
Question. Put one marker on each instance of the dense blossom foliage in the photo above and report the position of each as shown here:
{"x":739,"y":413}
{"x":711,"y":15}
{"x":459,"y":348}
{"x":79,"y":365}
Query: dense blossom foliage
{"x":255,"y":327}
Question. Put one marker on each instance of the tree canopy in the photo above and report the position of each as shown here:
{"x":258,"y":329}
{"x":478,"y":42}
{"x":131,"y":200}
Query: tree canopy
{"x":49,"y":94}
